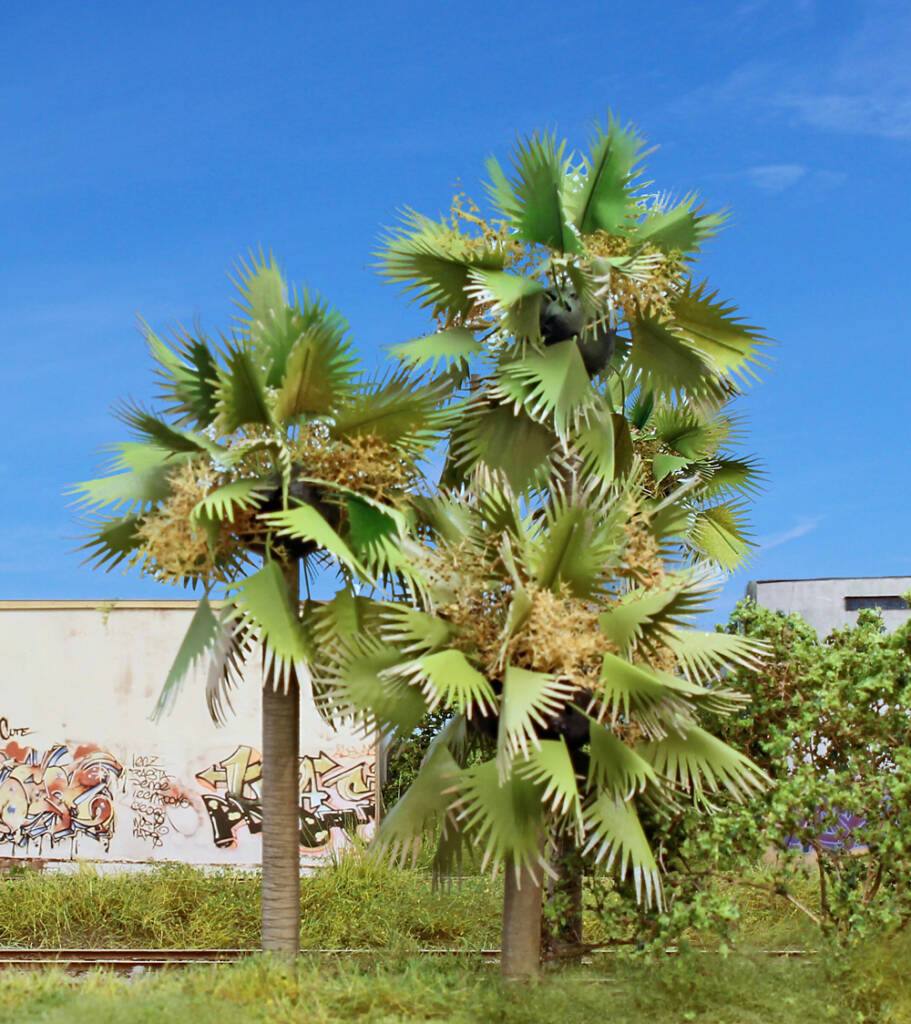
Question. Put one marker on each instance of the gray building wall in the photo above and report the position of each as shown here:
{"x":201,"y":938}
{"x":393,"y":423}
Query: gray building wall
{"x":829,"y":604}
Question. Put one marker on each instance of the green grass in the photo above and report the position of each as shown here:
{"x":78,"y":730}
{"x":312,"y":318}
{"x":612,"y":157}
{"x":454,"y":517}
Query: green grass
{"x":355,"y":903}
{"x":733,"y":991}
{"x":358,"y":903}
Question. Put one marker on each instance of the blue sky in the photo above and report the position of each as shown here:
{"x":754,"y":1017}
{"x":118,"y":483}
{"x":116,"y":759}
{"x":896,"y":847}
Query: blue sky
{"x":146,"y":147}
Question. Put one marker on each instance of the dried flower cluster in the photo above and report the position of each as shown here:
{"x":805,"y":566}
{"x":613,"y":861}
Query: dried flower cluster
{"x":176,"y":547}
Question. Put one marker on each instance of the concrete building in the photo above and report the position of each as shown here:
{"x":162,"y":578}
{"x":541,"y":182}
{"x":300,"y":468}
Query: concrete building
{"x":833,"y":602}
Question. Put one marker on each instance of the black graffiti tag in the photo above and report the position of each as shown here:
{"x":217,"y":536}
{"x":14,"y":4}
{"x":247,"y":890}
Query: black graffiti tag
{"x":152,"y":792}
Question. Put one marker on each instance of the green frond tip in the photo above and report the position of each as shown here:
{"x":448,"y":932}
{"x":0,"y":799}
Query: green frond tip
{"x":434,"y":262}
{"x":550,"y":766}
{"x":423,"y":805}
{"x":263,"y":294}
{"x":271,"y":612}
{"x":504,"y":439}
{"x":605,"y":201}
{"x":551,"y":386}
{"x":303,"y":522}
{"x":533,"y":202}
{"x":694,"y":758}
{"x":450,"y":678}
{"x":453,"y":347}
{"x":200,"y":639}
{"x":504,"y":818}
{"x":615,"y":833}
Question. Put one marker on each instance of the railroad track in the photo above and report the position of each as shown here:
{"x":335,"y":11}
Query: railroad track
{"x":136,"y":961}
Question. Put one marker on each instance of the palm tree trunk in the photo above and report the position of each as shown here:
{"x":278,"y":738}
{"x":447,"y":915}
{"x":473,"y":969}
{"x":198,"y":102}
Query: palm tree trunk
{"x":521,"y":943}
{"x":564,"y":894}
{"x":281,"y":796}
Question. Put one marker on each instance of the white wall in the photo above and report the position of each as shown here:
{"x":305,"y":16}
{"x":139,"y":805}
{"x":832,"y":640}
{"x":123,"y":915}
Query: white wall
{"x":85,"y":773}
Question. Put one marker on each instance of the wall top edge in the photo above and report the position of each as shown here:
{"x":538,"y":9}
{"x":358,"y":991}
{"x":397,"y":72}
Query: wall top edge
{"x":99,"y":605}
{"x":834,"y":579}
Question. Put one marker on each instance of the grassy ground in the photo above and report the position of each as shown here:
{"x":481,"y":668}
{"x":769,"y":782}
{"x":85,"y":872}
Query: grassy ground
{"x":363,"y":905}
{"x":733,"y":991}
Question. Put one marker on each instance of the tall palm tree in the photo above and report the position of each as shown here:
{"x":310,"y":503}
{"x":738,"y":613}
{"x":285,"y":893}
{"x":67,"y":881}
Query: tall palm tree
{"x":271,"y":457}
{"x":590,"y":361}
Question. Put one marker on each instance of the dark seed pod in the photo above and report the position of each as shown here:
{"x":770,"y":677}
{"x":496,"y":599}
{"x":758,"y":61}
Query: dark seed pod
{"x":561,"y":317}
{"x":596,"y":347}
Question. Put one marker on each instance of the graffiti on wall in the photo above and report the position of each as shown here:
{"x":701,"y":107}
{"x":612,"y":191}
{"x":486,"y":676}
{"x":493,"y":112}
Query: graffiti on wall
{"x":333,"y":795}
{"x":154,"y":799}
{"x":55,"y":795}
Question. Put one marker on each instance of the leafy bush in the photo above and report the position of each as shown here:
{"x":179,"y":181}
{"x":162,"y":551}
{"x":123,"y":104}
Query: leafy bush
{"x":829,"y":723}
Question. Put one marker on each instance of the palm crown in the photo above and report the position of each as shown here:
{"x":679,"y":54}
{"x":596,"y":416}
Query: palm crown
{"x":271,"y":447}
{"x":572,"y":317}
{"x":591,"y":490}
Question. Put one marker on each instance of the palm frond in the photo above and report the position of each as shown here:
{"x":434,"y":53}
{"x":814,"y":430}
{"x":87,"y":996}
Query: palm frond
{"x":434,"y":261}
{"x":503,"y":817}
{"x":616,"y":833}
{"x":448,"y":677}
{"x":304,"y":522}
{"x":232,"y":651}
{"x":614,"y":767}
{"x":506,"y":440}
{"x":270,"y":611}
{"x":424,"y":804}
{"x":143,"y":484}
{"x":318,"y":371}
{"x":682,"y":227}
{"x":200,"y":639}
{"x":515,"y":299}
{"x":693,"y":758}
{"x":704,"y":656}
{"x":733,"y":346}
{"x":668,"y":362}
{"x":453,"y":347}
{"x":528,"y":701}
{"x":533,"y":201}
{"x":241,"y":394}
{"x":407,"y":417}
{"x":550,"y":766}
{"x":646,"y":615}
{"x":721,"y":533}
{"x":186,"y":378}
{"x":551,"y":386}
{"x":111,"y":540}
{"x":223,"y":502}
{"x":605,"y":200}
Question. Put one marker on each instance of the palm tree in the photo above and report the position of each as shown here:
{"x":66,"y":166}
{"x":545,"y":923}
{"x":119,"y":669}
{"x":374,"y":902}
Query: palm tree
{"x":591,"y":362}
{"x":271,"y":458}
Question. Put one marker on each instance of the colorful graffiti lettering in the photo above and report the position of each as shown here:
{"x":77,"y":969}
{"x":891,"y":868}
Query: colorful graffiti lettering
{"x":333,"y":795}
{"x":58,"y":795}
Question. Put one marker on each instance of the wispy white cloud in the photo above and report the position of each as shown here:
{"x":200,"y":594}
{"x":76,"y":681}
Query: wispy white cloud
{"x":775,"y":177}
{"x":860,"y":84}
{"x":775,"y":540}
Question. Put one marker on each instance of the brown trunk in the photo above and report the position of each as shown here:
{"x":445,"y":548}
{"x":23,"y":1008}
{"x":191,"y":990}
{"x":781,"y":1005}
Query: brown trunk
{"x":564,"y":895}
{"x":521,"y":944}
{"x":281,"y":821}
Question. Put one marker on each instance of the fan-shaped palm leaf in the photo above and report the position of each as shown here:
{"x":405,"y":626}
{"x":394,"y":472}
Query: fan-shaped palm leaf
{"x":504,"y":816}
{"x":692,"y":757}
{"x":604,"y":202}
{"x":533,"y":202}
{"x":616,"y":833}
